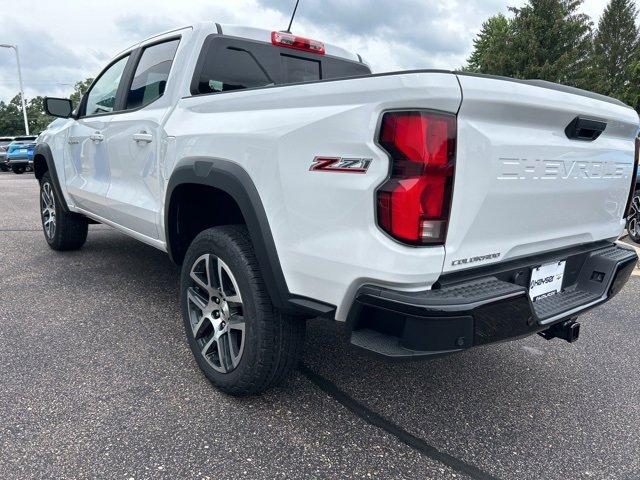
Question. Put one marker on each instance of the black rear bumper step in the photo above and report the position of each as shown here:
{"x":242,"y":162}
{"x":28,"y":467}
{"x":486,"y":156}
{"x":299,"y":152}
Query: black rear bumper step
{"x":485,"y":309}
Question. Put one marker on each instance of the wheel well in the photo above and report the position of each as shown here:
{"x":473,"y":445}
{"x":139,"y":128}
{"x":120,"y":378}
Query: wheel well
{"x":192,"y":209}
{"x":40,"y":166}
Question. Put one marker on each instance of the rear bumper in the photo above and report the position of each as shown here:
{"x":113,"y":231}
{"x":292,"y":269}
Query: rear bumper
{"x":20,"y":162}
{"x":486,"y":305}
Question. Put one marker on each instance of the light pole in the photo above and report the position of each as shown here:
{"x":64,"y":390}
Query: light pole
{"x":24,"y":105}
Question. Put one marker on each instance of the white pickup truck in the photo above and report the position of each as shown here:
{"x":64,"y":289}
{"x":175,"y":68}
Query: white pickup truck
{"x":429,"y":211}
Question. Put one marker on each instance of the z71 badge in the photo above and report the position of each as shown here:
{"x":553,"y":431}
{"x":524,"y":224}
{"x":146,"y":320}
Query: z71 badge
{"x":340,"y":165}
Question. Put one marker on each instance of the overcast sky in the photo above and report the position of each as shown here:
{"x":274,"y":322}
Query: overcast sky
{"x":63,"y":41}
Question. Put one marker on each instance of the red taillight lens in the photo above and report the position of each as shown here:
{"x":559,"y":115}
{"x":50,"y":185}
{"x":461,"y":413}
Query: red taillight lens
{"x":414,"y":203}
{"x":297,"y":43}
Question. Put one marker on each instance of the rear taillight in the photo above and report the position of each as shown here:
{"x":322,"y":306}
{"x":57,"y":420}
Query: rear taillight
{"x":288,"y":40}
{"x":414,"y":203}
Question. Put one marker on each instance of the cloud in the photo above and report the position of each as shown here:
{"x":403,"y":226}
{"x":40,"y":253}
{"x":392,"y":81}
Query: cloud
{"x":424,"y":31}
{"x":47,"y":65}
{"x":64,"y":42}
{"x":138,"y":27}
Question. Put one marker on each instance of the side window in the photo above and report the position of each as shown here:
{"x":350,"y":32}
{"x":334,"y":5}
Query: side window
{"x":152,"y":72}
{"x":232,"y":68}
{"x":102,"y":96}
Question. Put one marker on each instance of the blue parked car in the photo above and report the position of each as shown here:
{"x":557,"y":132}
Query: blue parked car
{"x":20,"y":154}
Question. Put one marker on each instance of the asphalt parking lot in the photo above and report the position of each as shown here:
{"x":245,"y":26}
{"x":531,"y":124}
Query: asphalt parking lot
{"x":96,"y":381}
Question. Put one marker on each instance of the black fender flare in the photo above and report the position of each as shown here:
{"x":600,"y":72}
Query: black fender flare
{"x":43,"y":162}
{"x":234,"y":180}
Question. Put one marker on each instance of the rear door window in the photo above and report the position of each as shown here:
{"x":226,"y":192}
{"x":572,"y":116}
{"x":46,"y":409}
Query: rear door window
{"x":232,"y":68}
{"x":151,"y":75}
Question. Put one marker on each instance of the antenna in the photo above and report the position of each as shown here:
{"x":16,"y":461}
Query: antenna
{"x":295,"y":9}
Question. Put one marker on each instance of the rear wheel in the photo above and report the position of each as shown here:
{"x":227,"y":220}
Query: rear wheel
{"x":62,"y":230}
{"x":242,"y":343}
{"x":633,"y":221}
{"x":18,"y":170}
{"x":3,"y":168}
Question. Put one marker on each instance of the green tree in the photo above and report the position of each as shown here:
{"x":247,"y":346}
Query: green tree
{"x":38,"y":119}
{"x":545,"y":39}
{"x":491,"y":47}
{"x":616,"y":50}
{"x":79,"y":90}
{"x":551,"y":41}
{"x":11,"y":121}
{"x":631,"y":94}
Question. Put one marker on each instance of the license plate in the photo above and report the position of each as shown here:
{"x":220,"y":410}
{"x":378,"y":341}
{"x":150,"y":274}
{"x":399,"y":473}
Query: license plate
{"x":23,"y":150}
{"x":546,"y":280}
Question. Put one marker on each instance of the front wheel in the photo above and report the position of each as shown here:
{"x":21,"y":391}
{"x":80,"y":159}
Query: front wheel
{"x":18,"y":170}
{"x":62,"y":230}
{"x":633,"y":220}
{"x":242,"y":343}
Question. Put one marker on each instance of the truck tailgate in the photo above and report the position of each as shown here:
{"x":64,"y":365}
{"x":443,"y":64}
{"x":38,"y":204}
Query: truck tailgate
{"x":522,"y":186}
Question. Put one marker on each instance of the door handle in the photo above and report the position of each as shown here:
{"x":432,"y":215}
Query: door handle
{"x":143,"y":137}
{"x":96,"y":137}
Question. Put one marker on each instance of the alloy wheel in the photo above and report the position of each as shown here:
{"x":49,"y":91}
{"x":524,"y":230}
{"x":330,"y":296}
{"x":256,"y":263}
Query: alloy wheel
{"x":48,"y":209}
{"x":216,"y":313}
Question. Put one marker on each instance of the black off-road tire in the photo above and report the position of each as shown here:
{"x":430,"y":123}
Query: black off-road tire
{"x":18,"y":170}
{"x":69,"y":230}
{"x":273,"y":341}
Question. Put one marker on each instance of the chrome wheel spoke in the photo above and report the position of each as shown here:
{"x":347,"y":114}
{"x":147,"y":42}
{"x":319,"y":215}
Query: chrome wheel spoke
{"x":236,"y":338}
{"x":200,"y":327}
{"x":236,"y":322}
{"x":194,"y":297}
{"x":234,"y":300}
{"x":218,"y":274}
{"x":210,"y":348}
{"x":200,"y":273}
{"x":234,"y":351}
{"x":228,"y":285}
{"x":224,"y":354}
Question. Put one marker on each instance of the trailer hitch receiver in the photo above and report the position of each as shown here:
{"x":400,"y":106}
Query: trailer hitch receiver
{"x":568,"y":330}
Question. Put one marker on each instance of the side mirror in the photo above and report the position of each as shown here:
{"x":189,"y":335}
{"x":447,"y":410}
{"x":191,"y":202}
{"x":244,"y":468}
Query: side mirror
{"x":58,"y":107}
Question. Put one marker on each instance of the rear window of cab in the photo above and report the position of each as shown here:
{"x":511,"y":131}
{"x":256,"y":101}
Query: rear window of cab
{"x":228,"y":63}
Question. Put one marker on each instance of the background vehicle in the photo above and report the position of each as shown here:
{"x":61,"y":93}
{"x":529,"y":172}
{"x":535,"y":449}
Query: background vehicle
{"x":633,"y":219}
{"x":20,"y":154}
{"x":4,"y":143}
{"x":428,"y":211}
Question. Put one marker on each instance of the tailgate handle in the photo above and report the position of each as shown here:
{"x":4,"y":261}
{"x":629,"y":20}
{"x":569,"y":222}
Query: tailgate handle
{"x":585,"y":129}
